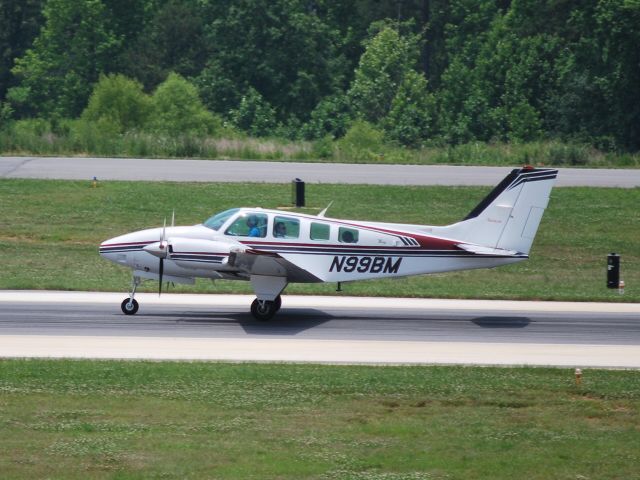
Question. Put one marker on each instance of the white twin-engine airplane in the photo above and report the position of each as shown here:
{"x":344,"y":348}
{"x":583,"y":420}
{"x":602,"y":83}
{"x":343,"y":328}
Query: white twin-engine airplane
{"x":272,"y":248}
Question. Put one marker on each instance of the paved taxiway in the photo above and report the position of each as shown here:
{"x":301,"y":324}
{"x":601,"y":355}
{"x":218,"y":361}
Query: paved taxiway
{"x":321,"y":329}
{"x":280,"y":172}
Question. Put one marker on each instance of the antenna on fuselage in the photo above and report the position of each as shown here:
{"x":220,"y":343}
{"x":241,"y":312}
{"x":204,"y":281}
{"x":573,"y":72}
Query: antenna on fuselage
{"x":322,"y":213}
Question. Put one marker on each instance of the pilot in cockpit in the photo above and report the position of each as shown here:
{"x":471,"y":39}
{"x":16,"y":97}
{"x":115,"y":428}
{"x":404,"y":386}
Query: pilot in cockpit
{"x":252,"y":223}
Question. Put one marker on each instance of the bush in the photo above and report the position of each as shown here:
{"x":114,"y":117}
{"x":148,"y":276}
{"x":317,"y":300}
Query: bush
{"x":362,"y":143}
{"x":177,"y":109}
{"x":120,"y":102}
{"x":6,"y":113}
{"x":323,"y":148}
{"x":568,"y":154}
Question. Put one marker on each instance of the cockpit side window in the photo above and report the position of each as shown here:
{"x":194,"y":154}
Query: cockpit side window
{"x":286,"y":227}
{"x":347,"y":235}
{"x":219,"y":219}
{"x":249,"y":225}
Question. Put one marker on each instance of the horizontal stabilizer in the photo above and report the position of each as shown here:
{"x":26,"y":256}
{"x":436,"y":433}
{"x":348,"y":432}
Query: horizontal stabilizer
{"x":480,"y":250}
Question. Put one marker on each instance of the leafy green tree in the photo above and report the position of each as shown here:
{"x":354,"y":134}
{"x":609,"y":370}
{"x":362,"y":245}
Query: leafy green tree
{"x":410,"y":117}
{"x":119,"y":100}
{"x":254,"y":115}
{"x":177,"y":109}
{"x":597,"y":93}
{"x":281,"y":48}
{"x":387,"y":59}
{"x":75,"y":45}
{"x":172,"y":40}
{"x":332,"y":116}
{"x":20,"y":22}
{"x":219,"y":91}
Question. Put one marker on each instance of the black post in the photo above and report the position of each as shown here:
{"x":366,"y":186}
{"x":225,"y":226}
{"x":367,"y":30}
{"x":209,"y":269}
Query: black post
{"x":298,"y":188}
{"x":613,"y":270}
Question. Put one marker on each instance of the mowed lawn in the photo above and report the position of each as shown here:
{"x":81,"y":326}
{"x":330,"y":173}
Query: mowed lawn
{"x":50,"y":232}
{"x":121,"y":420}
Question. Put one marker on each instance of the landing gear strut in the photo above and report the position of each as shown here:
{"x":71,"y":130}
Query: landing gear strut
{"x":263,"y":310}
{"x":129,"y":305}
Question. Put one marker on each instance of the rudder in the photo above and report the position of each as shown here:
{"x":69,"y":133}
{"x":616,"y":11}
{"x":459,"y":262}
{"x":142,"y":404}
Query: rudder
{"x":508,"y":218}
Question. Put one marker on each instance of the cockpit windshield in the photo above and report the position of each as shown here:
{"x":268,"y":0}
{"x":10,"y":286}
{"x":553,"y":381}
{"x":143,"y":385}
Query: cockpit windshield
{"x":215,"y":222}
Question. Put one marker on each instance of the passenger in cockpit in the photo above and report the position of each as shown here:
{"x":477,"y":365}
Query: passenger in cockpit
{"x":280,"y":230}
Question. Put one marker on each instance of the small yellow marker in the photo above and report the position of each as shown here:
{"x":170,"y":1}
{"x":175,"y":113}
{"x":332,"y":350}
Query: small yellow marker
{"x":94,"y":184}
{"x":578,"y":377}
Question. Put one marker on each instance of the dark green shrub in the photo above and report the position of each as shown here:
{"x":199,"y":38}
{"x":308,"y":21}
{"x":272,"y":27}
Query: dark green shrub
{"x":120,"y":102}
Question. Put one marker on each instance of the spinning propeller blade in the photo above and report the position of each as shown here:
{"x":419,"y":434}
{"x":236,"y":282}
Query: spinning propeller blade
{"x":163,"y":245}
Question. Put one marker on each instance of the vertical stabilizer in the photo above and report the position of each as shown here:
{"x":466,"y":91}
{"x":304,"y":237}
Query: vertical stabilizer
{"x":508,"y":218}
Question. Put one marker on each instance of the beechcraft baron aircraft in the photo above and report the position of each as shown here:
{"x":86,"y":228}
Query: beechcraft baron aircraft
{"x":272,"y":248}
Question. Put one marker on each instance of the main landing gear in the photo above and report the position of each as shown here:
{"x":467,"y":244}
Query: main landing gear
{"x":129,"y":305}
{"x":263,"y":310}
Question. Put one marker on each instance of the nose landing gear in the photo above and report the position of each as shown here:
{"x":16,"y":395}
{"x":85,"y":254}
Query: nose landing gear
{"x":129,"y":305}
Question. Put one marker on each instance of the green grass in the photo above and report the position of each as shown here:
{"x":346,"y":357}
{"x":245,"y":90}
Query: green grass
{"x":121,"y":420}
{"x":36,"y":137}
{"x":50,"y":230}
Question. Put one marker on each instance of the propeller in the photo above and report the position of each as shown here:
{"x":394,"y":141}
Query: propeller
{"x":162,"y":247}
{"x":161,"y":250}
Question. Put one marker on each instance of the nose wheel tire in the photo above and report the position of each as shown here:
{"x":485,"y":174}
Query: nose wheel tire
{"x":129,"y":306}
{"x":263,"y":310}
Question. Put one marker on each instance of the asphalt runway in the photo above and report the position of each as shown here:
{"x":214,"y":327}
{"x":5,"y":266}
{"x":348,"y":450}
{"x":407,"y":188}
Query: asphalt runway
{"x":325,"y":329}
{"x":137,"y":169}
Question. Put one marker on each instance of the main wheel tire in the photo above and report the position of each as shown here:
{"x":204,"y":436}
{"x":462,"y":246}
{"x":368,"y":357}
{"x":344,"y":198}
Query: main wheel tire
{"x":278,"y":303}
{"x":129,"y":306}
{"x":263,"y":310}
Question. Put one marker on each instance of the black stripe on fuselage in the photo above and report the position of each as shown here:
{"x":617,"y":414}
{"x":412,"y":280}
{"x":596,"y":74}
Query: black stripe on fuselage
{"x":204,"y":258}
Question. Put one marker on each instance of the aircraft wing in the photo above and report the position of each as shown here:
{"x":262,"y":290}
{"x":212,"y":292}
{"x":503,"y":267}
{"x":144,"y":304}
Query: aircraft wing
{"x":257,"y":262}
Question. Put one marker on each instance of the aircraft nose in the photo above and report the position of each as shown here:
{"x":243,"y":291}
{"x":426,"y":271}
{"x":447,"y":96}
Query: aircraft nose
{"x":108,"y":249}
{"x":123,"y":249}
{"x":118,"y":249}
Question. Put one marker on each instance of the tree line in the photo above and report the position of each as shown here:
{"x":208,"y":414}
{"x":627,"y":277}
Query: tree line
{"x":413,"y":72}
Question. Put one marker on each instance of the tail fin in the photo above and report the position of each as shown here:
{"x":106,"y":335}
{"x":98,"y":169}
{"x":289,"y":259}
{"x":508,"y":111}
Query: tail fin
{"x":508,"y":218}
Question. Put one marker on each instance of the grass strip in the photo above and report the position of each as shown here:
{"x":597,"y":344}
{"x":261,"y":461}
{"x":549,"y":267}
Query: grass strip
{"x":34,"y":139}
{"x":100,"y":419}
{"x":50,"y":231}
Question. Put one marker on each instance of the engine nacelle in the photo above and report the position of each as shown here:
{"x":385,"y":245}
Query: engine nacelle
{"x":198,"y":254}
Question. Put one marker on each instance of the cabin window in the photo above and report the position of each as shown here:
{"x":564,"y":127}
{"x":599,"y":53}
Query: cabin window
{"x":347,"y":235}
{"x":249,"y":225}
{"x":319,"y":231}
{"x":286,"y":227}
